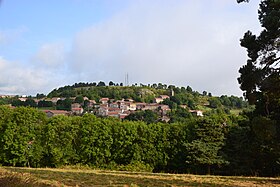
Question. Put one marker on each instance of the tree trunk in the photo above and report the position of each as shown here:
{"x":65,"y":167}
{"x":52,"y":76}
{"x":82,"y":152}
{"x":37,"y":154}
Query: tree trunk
{"x":208,"y":170}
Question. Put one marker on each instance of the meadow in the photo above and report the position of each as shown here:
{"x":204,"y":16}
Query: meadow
{"x":41,"y":177}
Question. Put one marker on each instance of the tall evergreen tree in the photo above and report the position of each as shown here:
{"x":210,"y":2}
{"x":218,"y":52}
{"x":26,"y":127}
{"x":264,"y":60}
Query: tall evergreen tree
{"x":260,"y":77}
{"x":204,"y":150}
{"x":260,"y":81}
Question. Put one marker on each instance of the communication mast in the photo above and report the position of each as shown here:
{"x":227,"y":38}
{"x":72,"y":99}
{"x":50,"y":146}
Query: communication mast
{"x":126,"y":80}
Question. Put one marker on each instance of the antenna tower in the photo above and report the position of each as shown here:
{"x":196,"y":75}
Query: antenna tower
{"x":126,"y":80}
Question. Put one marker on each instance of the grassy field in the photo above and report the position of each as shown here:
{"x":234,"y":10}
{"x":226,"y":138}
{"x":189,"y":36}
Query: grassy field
{"x":25,"y":177}
{"x":18,"y":177}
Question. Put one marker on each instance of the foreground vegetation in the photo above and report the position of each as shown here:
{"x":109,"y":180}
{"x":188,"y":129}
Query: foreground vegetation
{"x":216,"y":144}
{"x":87,"y":177}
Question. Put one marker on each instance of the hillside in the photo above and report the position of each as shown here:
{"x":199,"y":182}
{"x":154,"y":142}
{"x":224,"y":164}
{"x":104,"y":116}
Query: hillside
{"x":149,"y":103}
{"x":146,"y":93}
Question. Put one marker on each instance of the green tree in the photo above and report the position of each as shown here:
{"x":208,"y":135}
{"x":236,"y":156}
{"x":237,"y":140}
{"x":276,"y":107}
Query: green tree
{"x":124,"y":135}
{"x":189,"y":89}
{"x":30,"y":102}
{"x":260,"y":81}
{"x":180,"y":115}
{"x":259,"y":78}
{"x":204,"y":149}
{"x":40,"y":96}
{"x":5,"y":122}
{"x":44,"y":103}
{"x":17,"y":102}
{"x":19,"y":135}
{"x":64,"y":104}
{"x":172,"y":105}
{"x":58,"y":139}
{"x":111,"y":83}
{"x":147,"y":116}
{"x":95,"y":141}
{"x":5,"y":101}
{"x":266,"y":146}
{"x":179,"y":134}
{"x":214,"y":102}
{"x":101,"y":83}
{"x":239,"y":151}
{"x":79,"y":99}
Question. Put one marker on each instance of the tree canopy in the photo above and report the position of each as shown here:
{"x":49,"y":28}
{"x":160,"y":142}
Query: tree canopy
{"x":260,"y":81}
{"x":260,"y":78}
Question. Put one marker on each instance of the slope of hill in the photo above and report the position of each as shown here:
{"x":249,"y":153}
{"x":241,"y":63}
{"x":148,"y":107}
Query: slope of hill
{"x":146,"y":93}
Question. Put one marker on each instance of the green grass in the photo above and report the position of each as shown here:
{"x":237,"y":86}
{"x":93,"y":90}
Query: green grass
{"x":203,"y":108}
{"x":236,"y":111}
{"x":10,"y":176}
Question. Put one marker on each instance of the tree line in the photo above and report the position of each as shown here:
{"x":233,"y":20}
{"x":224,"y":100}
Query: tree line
{"x":218,"y":144}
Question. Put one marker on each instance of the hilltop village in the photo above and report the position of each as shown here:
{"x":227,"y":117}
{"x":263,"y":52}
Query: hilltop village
{"x":165,"y":103}
{"x":107,"y":107}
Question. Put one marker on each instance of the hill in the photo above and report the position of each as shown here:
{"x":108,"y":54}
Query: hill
{"x":146,"y":93}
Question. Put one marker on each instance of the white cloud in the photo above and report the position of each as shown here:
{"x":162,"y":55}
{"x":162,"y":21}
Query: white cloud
{"x":50,"y":55}
{"x":17,"y":78}
{"x":183,"y":43}
{"x":178,"y":42}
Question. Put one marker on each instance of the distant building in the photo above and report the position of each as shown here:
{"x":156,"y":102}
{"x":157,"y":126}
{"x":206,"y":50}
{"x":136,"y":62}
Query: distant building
{"x":152,"y":106}
{"x":196,"y":112}
{"x":131,"y":106}
{"x":77,"y":111}
{"x":157,"y":100}
{"x":102,"y":111}
{"x":114,"y":105}
{"x":76,"y":108}
{"x":91,"y":103}
{"x":164,"y":97}
{"x":104,"y":100}
{"x":139,"y":106}
{"x":7,"y":96}
{"x":164,"y":109}
{"x":122,"y":116}
{"x":123,"y":106}
{"x":76,"y":105}
{"x":23,"y":99}
{"x":113,"y":114}
{"x":160,"y":98}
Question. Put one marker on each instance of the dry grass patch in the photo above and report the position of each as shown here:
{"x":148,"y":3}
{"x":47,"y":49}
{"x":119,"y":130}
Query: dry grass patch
{"x":22,"y":179}
{"x":89,"y":178}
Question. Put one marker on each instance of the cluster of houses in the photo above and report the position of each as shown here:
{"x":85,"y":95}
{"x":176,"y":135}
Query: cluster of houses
{"x":76,"y":108}
{"x":110,"y":108}
{"x":122,"y":108}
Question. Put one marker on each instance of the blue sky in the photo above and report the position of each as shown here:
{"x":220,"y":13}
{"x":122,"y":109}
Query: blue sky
{"x":47,"y":44}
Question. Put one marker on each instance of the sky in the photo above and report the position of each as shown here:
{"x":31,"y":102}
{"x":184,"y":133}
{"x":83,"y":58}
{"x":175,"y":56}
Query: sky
{"x":48,"y":44}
